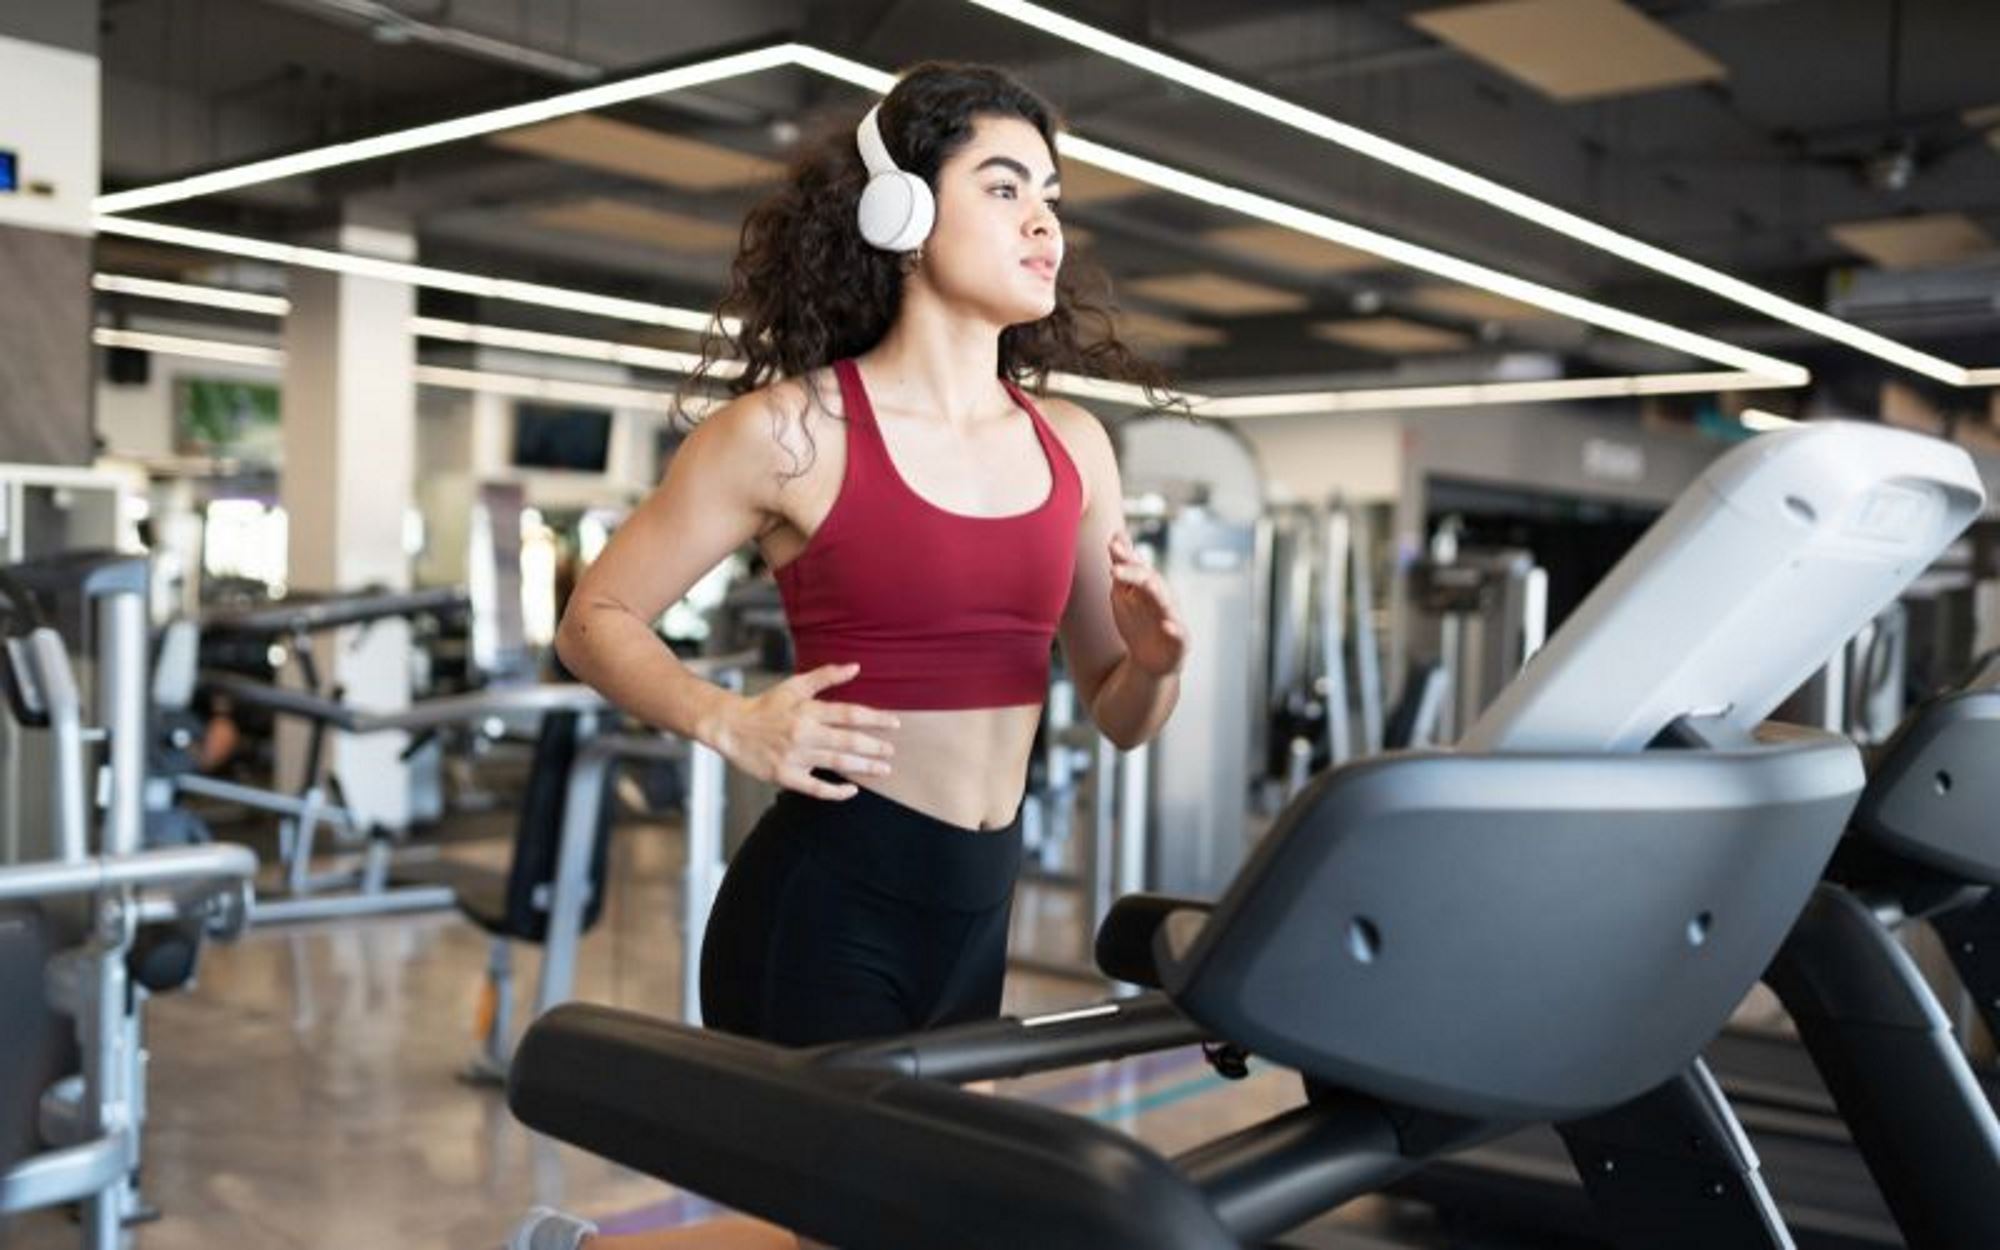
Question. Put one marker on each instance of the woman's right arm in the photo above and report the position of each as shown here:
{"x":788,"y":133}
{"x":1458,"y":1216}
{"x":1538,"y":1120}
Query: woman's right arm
{"x":720,"y":487}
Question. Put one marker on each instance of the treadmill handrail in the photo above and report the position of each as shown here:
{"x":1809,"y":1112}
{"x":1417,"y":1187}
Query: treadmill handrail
{"x":850,"y":1157}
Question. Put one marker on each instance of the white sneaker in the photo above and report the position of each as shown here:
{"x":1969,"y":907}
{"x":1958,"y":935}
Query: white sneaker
{"x":546,"y":1228}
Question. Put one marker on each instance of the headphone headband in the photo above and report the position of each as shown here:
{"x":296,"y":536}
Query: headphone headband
{"x":874,"y":152}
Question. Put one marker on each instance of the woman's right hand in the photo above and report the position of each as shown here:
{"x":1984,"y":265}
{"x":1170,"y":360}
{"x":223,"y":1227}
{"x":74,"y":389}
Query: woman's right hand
{"x":784,"y":733}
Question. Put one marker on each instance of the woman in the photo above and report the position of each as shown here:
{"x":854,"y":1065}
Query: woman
{"x":931,"y":528}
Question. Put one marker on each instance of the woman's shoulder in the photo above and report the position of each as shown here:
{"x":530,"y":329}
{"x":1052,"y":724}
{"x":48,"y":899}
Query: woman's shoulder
{"x":1082,"y":434}
{"x":1086,"y":440}
{"x":779,"y":415}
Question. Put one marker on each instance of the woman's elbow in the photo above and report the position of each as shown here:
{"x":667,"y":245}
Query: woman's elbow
{"x":572,"y":640}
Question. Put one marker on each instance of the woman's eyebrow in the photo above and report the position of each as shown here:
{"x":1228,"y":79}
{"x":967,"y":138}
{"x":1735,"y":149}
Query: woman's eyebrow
{"x":1020,"y":170}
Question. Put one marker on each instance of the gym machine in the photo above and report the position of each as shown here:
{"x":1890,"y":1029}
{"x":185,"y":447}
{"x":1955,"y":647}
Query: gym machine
{"x":124,"y":923}
{"x":1617,"y":834}
{"x":1874,"y":1128}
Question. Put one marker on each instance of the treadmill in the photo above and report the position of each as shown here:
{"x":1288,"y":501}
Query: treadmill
{"x":1873,"y":1128}
{"x":1620,"y":841}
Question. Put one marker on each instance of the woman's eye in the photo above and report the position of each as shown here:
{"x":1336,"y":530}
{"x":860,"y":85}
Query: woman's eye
{"x":1004,"y":188}
{"x":1055,"y":206}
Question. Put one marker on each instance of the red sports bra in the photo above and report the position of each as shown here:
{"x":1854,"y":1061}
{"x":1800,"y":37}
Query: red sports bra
{"x":940,"y":609}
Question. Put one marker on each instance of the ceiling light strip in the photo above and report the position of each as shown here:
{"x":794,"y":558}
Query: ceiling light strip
{"x":1429,"y":260}
{"x":686,"y":362}
{"x":1476,"y":394}
{"x":1076,"y":385}
{"x":569,"y":345}
{"x":180,"y":345}
{"x":187,"y":293}
{"x":531,"y":293}
{"x":1483,"y":189}
{"x":833,"y":65}
{"x":1983,"y":377}
{"x":868,"y":78}
{"x":1239,"y":406}
{"x":525,"y":387}
{"x":580,"y":101}
{"x":574,"y":346}
{"x":426,"y":375}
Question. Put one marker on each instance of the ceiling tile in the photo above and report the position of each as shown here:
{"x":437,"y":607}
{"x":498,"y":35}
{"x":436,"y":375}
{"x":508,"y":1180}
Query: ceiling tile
{"x":1572,"y":49}
{"x":1087,"y":184}
{"x":1467,"y":301}
{"x":1392,"y":335}
{"x":1292,"y":249}
{"x":636,"y":223}
{"x":1908,"y":242}
{"x":1143,"y":329}
{"x":1217,"y":294}
{"x":639,"y":152}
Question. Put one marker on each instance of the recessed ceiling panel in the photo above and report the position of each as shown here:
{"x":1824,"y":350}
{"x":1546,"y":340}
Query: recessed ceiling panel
{"x":636,"y":223}
{"x":1294,"y":250}
{"x":1466,"y":301}
{"x":1391,"y":335}
{"x":1572,"y":49}
{"x":1908,"y":242}
{"x":1217,"y":294}
{"x":1087,"y":184}
{"x":638,"y":152}
{"x":1143,"y":329}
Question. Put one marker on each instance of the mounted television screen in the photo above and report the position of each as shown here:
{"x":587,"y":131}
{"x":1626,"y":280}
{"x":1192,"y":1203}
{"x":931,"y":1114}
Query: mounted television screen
{"x":560,"y":436}
{"x":228,"y":418}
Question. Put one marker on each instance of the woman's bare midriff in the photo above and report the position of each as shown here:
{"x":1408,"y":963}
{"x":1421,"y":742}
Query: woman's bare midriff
{"x":966,"y":768}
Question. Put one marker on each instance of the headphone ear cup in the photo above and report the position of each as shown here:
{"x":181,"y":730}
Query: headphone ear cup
{"x":896,"y":211}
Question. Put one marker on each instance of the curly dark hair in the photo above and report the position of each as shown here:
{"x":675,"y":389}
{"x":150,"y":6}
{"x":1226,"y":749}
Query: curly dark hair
{"x":807,"y":290}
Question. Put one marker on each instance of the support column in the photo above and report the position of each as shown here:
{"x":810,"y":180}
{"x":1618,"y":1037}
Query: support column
{"x":48,"y":178}
{"x":347,"y":483}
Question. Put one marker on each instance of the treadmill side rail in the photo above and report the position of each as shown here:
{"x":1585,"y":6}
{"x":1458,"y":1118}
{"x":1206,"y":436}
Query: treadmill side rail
{"x":1929,"y":1136}
{"x":1673,"y":1168}
{"x":1971,"y":935}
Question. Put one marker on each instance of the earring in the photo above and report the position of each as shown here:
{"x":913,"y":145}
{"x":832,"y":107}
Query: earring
{"x":913,"y":260}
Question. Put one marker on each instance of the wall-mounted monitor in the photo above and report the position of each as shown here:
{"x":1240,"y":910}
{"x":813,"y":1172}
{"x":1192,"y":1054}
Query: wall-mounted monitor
{"x":561,"y":436}
{"x":10,"y":171}
{"x":227,"y":417}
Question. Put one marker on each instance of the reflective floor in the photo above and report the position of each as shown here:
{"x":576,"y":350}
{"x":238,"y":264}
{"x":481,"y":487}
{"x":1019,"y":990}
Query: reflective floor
{"x":305,"y":1094}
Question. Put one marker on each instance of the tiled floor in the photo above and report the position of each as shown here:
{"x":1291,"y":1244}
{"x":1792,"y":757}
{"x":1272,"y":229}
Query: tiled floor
{"x":304,"y":1095}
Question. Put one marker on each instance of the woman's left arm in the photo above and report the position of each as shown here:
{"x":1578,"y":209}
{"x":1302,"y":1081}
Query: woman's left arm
{"x":1121,"y":634}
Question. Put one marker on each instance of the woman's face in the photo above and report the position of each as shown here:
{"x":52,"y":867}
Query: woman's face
{"x":997,"y":243}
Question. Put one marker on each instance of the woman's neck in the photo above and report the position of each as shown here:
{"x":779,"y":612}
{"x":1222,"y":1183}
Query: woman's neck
{"x":934,"y":361}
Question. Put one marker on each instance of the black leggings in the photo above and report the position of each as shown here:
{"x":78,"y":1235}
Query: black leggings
{"x":857,"y":918}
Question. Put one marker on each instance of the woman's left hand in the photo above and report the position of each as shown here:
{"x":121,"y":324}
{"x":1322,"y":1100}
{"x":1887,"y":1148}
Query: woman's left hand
{"x":1155,"y":639}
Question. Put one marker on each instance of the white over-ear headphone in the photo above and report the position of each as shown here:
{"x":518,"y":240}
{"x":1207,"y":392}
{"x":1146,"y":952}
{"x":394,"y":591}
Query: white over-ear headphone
{"x":897,"y":209}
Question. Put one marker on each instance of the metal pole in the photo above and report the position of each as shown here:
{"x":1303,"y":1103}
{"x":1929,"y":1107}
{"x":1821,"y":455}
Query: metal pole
{"x":1133,"y":811}
{"x":704,"y":868}
{"x":1337,"y":551}
{"x":121,"y":712}
{"x":101,"y":1026}
{"x":581,"y":808}
{"x":1367,"y":664}
{"x":69,"y":799}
